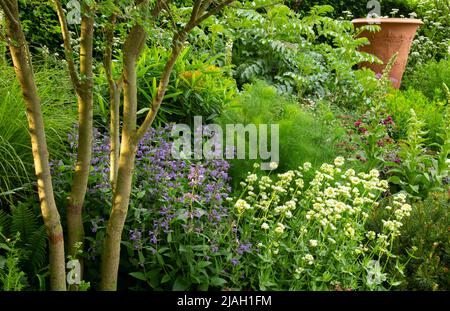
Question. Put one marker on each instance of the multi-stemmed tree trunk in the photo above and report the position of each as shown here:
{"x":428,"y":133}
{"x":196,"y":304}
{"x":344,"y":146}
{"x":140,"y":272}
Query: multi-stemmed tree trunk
{"x":83,"y":86}
{"x":131,"y":135}
{"x":123,"y":151}
{"x":24,"y":71}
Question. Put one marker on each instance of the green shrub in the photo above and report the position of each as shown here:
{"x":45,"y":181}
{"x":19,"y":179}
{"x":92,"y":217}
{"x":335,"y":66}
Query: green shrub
{"x":311,"y":56}
{"x":427,"y":231}
{"x":431,"y":112}
{"x":11,"y":277}
{"x":433,"y":38}
{"x":304,"y":136}
{"x":197,"y":86}
{"x":429,"y":78}
{"x":357,"y":7}
{"x":418,"y":170}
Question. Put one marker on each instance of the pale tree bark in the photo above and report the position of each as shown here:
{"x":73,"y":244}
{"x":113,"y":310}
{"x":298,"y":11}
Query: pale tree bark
{"x":24,"y":71}
{"x":111,"y":253}
{"x":83,"y":85}
{"x":131,"y":135}
{"x":115,"y":91}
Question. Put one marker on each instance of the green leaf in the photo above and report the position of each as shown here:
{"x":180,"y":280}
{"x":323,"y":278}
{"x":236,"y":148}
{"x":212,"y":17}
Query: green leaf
{"x":166,"y":278}
{"x":138,"y":275}
{"x":395,"y":180}
{"x":216,"y":281}
{"x":143,"y":110}
{"x":181,"y":284}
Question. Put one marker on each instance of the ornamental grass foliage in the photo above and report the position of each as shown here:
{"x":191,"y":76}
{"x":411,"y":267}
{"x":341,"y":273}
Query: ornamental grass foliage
{"x":311,"y":235}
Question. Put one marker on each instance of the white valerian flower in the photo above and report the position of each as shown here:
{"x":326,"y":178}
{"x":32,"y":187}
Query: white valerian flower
{"x":251,"y":178}
{"x":288,"y":214}
{"x":327,"y":168}
{"x":256,"y":165}
{"x":392,"y":225}
{"x":307,"y":166}
{"x":273,"y":165}
{"x":355,"y":180}
{"x":242,"y":205}
{"x":406,"y":208}
{"x":265,"y":226}
{"x":358,"y":201}
{"x":350,"y":172}
{"x":280,"y":228}
{"x":349,"y":231}
{"x":383,"y":184}
{"x":374,"y":173}
{"x":329,"y":192}
{"x":290,"y":204}
{"x":371,"y":235}
{"x":309,"y":258}
{"x":339,"y":161}
{"x":298,"y":272}
{"x":299,"y":183}
{"x":313,"y":243}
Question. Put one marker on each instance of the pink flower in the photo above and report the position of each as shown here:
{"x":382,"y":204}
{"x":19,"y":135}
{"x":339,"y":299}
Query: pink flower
{"x":362,"y":130}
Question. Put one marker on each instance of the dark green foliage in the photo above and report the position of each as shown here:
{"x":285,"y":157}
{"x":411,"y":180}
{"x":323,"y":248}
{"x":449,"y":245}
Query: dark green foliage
{"x":197,"y":87}
{"x":357,"y":7}
{"x":4,"y":221}
{"x":427,"y":230}
{"x":33,"y":237}
{"x":30,"y":236}
{"x":41,"y":26}
{"x":311,"y":56}
{"x":12,"y":278}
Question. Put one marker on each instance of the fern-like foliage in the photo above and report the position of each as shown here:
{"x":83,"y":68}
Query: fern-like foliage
{"x":312,"y":56}
{"x":4,"y":221}
{"x":33,"y":236}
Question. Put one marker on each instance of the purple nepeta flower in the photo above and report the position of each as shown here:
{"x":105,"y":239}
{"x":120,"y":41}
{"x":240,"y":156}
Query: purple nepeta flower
{"x":244,"y":248}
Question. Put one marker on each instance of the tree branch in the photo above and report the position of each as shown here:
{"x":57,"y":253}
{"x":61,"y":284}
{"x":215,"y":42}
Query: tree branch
{"x":178,"y":41}
{"x":109,"y":38}
{"x":167,"y":9}
{"x":67,"y":45}
{"x":8,"y":13}
{"x":211,"y":12}
{"x":195,"y":10}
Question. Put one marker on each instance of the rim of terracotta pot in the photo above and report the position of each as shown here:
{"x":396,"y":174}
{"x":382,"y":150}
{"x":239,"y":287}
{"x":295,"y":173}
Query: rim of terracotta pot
{"x":389,"y":20}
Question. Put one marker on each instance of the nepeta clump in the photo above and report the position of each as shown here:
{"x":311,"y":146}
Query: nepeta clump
{"x":176,"y":225}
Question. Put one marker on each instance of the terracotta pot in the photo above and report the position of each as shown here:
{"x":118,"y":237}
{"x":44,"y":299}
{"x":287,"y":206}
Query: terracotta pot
{"x":396,"y":35}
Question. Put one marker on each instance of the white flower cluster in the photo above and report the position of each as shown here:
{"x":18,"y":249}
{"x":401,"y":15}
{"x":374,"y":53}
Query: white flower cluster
{"x":322,"y":218}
